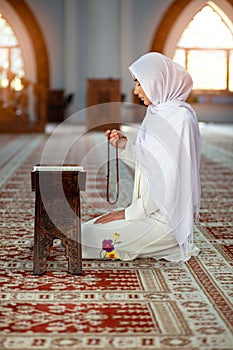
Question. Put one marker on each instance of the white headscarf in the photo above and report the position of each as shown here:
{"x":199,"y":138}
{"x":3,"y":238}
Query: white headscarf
{"x":168,"y":144}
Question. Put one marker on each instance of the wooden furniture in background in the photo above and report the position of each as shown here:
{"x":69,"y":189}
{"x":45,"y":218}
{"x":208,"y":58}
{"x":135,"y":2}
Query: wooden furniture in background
{"x":56,"y":106}
{"x":57,"y":214}
{"x":25,"y":110}
{"x":102,"y":112}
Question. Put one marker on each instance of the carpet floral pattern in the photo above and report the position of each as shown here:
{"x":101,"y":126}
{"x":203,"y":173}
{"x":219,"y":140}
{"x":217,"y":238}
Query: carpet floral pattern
{"x":143,"y":304}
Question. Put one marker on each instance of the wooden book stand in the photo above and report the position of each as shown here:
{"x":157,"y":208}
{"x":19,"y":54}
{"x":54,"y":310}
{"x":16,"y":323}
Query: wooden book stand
{"x":57,"y":214}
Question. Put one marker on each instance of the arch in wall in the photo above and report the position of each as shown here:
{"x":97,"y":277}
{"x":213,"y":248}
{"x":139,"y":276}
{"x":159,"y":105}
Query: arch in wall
{"x":27,"y":113}
{"x":37,"y":40}
{"x":170,"y":28}
{"x":175,"y":20}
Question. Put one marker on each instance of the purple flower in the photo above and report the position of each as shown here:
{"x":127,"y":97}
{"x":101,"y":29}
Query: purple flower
{"x":107,"y":245}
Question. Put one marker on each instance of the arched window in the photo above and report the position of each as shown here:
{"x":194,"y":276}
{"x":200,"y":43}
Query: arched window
{"x":205,"y":49}
{"x":11,"y":60}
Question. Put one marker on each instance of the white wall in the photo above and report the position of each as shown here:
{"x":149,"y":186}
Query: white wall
{"x":103,"y":38}
{"x":95,"y":38}
{"x":139,"y":20}
{"x":50,"y":16}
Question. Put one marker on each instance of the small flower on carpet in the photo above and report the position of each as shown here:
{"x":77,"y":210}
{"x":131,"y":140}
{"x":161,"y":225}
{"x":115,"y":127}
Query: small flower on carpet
{"x":107,"y":245}
{"x":116,"y":236}
{"x":111,"y":255}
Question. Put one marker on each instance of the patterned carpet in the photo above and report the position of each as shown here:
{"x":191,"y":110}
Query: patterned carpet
{"x":144,"y":304}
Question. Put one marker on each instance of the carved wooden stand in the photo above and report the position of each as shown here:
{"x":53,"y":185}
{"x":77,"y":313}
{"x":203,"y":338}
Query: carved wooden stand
{"x":57,"y":215}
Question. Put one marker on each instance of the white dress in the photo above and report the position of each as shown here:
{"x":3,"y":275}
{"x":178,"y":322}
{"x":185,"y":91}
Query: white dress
{"x":143,"y":233}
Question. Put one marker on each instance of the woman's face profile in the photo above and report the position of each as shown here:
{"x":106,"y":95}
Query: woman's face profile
{"x":138,"y":90}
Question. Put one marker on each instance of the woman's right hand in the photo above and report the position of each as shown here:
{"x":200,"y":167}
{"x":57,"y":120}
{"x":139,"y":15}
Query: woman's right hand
{"x":115,"y":136}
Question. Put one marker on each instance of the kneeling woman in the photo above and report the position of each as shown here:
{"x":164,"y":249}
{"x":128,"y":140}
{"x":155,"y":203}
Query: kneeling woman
{"x":159,"y":221}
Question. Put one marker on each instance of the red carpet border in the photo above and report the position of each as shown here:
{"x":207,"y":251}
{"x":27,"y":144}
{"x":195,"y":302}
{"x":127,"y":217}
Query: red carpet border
{"x":144,"y":304}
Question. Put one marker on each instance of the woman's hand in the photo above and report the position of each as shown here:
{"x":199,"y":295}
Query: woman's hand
{"x":115,"y":136}
{"x":114,"y":215}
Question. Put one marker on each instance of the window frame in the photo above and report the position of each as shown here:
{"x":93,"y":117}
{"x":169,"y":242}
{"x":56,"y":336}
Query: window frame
{"x":227,"y":52}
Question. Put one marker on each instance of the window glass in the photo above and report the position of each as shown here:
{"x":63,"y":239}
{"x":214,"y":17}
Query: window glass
{"x":179,"y":57}
{"x":206,"y":30}
{"x":17,"y":62}
{"x":11,"y":60}
{"x":214,"y":77}
{"x":7,"y":37}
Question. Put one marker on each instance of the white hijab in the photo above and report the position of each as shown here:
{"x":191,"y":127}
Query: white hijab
{"x":168,"y":144}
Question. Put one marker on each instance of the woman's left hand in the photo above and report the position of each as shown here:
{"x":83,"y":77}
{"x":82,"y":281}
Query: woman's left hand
{"x":114,"y":215}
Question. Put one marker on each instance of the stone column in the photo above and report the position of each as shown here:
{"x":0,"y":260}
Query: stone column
{"x":71,"y":52}
{"x":104,"y":47}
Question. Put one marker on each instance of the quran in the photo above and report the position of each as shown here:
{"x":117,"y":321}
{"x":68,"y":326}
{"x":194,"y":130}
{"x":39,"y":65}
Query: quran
{"x":57,"y":168}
